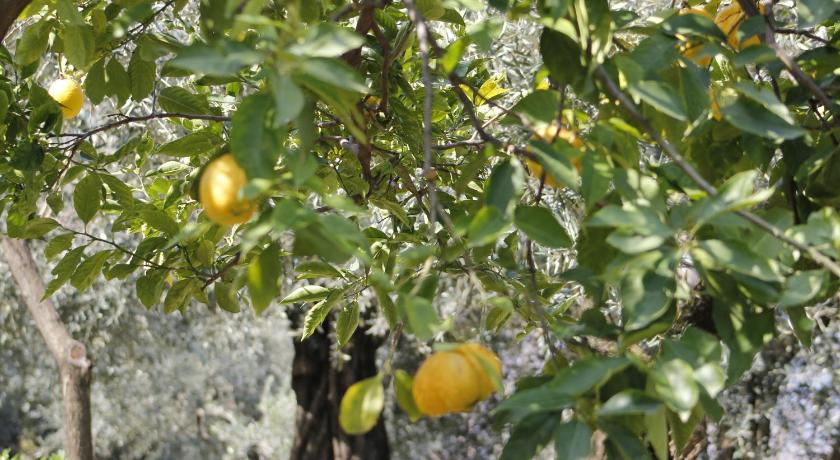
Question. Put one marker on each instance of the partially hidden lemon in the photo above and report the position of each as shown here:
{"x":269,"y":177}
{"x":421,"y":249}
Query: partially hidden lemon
{"x":688,"y":47}
{"x":69,"y":96}
{"x":729,"y":19}
{"x":453,"y":380}
{"x":549,"y":134}
{"x":218,"y":191}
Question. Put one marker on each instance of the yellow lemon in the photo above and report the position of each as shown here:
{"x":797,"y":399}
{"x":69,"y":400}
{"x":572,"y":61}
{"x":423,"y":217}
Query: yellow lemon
{"x":480,"y":357}
{"x":218,"y":192}
{"x":730,"y":19}
{"x":69,"y":96}
{"x":690,"y":48}
{"x":453,"y":381}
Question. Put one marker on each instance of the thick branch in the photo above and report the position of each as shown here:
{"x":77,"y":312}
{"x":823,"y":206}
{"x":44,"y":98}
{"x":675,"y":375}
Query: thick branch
{"x":669,"y":149}
{"x":9,"y":12}
{"x":70,"y":355}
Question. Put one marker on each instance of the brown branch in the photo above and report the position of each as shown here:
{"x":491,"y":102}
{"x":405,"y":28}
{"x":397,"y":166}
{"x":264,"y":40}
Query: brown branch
{"x":804,"y":33}
{"x":230,"y":264}
{"x":124,"y":120}
{"x":70,"y":355}
{"x":798,"y":74}
{"x":9,"y":12}
{"x":616,"y":93}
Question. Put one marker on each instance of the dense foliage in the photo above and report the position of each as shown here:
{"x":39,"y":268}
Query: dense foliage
{"x":697,"y":156}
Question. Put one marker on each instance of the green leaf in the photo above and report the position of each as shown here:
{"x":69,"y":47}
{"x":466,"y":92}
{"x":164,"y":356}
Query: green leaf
{"x":346,"y":324}
{"x":556,"y":164}
{"x":142,"y":76}
{"x":505,"y":186}
{"x":674,"y":382}
{"x":327,"y":40}
{"x":361,"y":405}
{"x":179,"y":100}
{"x":803,"y":326}
{"x":318,"y":313}
{"x":735,"y":256}
{"x":87,"y":197}
{"x":224,"y":60}
{"x":587,"y":374}
{"x":316,"y":269}
{"x":311,"y":293}
{"x":562,"y":56}
{"x":334,"y":72}
{"x":263,"y":276}
{"x":529,"y":436}
{"x":254,"y":143}
{"x":486,"y":227}
{"x":193,"y":144}
{"x":160,"y":221}
{"x":573,"y":441}
{"x":541,"y":226}
{"x":179,"y":294}
{"x":95,"y":82}
{"x":753,"y":118}
{"x":629,"y":402}
{"x":58,"y":245}
{"x":539,"y":106}
{"x":405,"y":399}
{"x":802,"y":287}
{"x":118,"y":82}
{"x":68,"y":12}
{"x":813,"y":12}
{"x":149,"y":288}
{"x":37,"y":228}
{"x":33,"y":42}
{"x":226,"y":297}
{"x":645,"y":296}
{"x":288,"y":98}
{"x":523,"y":403}
{"x":422,"y":318}
{"x":656,"y":426}
{"x":623,"y":442}
{"x":79,"y":44}
{"x":87,"y":272}
{"x":64,"y":270}
{"x":662,"y":97}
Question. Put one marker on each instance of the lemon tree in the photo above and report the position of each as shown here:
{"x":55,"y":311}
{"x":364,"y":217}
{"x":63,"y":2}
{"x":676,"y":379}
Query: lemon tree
{"x":657,"y":205}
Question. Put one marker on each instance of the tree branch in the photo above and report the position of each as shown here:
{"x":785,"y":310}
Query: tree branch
{"x":9,"y":12}
{"x":70,"y":355}
{"x":616,"y":93}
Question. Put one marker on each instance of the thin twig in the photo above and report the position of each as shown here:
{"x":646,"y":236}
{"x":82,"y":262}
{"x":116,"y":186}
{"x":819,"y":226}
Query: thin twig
{"x":685,"y":166}
{"x":230,"y":264}
{"x":423,"y":41}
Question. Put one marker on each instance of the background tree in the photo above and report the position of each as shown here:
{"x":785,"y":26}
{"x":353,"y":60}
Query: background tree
{"x":697,"y":159}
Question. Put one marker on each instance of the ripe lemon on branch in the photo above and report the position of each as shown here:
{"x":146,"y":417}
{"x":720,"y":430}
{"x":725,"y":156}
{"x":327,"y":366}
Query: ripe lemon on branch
{"x":549,"y":134}
{"x":219,"y":191}
{"x":455,"y":380}
{"x":69,"y":96}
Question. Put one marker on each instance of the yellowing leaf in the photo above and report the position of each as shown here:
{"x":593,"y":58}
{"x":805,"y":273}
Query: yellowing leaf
{"x":361,"y":405}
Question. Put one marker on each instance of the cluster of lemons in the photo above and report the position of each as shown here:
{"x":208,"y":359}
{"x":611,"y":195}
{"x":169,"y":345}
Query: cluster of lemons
{"x":455,"y":380}
{"x":729,"y":20}
{"x":220,"y":185}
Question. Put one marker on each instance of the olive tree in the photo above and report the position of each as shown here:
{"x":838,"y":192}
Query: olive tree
{"x":680,"y":163}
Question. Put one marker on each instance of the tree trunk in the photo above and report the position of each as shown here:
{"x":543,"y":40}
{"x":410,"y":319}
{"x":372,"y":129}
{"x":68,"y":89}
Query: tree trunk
{"x":70,"y":355}
{"x":319,"y":386}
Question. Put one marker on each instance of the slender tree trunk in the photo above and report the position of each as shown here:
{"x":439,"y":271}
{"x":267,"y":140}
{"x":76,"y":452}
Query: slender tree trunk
{"x":319,"y":386}
{"x":70,"y":355}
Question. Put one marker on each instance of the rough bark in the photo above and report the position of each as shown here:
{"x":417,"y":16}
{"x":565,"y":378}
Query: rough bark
{"x":319,"y":385}
{"x":9,"y":11}
{"x":70,"y":355}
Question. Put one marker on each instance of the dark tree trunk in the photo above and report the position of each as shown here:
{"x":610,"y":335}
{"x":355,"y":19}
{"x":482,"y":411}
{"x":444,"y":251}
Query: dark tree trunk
{"x":319,"y":385}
